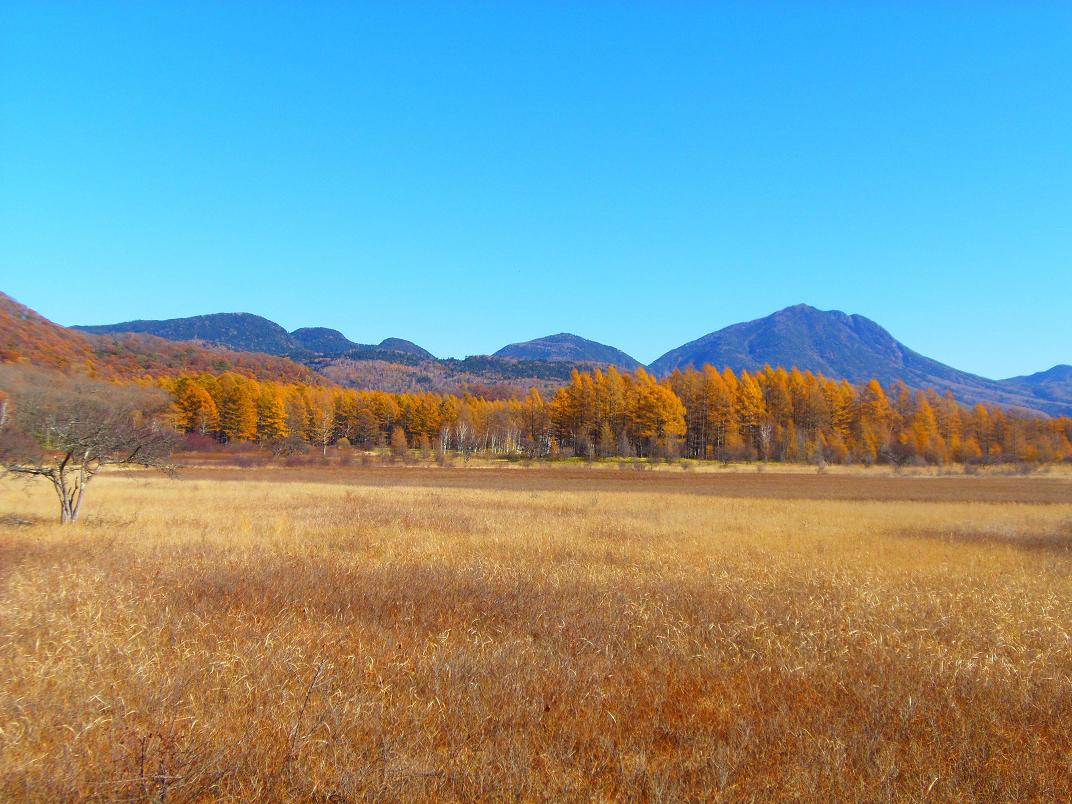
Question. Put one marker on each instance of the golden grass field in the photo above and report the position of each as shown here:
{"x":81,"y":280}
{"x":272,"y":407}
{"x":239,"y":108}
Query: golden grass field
{"x":576,"y":634}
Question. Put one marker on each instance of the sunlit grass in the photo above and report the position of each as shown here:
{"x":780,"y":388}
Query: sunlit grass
{"x":255,"y":640}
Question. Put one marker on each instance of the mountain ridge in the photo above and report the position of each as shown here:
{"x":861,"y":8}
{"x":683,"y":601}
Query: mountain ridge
{"x":243,"y":331}
{"x":828,"y":342}
{"x":1054,"y":384}
{"x":254,"y":333}
{"x":567,"y":347}
{"x":850,"y":347}
{"x":27,"y":336}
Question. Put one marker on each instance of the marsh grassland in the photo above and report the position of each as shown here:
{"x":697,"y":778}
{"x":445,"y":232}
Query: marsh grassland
{"x":482,"y":634}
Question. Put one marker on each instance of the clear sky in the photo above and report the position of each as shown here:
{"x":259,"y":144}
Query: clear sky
{"x":470,"y":174}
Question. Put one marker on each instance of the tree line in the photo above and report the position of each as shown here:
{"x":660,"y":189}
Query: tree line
{"x":771,"y":415}
{"x":66,"y":429}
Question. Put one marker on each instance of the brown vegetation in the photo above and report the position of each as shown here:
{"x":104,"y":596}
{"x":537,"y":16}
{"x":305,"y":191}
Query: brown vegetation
{"x":29,"y":338}
{"x":635,"y":477}
{"x":67,"y":429}
{"x":275,"y":639}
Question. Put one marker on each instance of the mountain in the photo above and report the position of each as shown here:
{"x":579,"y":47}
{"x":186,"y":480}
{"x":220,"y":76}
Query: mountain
{"x":847,"y":347}
{"x":322,"y":340}
{"x":832,"y":343}
{"x":242,"y":331}
{"x":28,"y":337}
{"x":1054,"y":385}
{"x":569,"y":348}
{"x":253,"y":333}
{"x":405,"y":347}
{"x":394,"y":365}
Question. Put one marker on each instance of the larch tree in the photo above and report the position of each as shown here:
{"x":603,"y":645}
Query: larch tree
{"x":238,"y":414}
{"x":195,"y":410}
{"x":751,"y":409}
{"x":399,"y":444}
{"x":271,"y":415}
{"x":779,"y":415}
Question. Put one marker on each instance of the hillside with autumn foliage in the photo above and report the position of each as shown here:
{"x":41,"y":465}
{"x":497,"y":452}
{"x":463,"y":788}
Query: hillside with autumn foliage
{"x":828,"y":342}
{"x":28,"y":337}
{"x":773,"y":414}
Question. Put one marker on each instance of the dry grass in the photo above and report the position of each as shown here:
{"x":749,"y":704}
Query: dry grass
{"x":277,"y":639}
{"x":758,"y":481}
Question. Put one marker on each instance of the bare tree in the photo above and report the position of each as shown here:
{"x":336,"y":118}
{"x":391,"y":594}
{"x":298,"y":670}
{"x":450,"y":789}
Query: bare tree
{"x":324,"y":428}
{"x":68,"y":429}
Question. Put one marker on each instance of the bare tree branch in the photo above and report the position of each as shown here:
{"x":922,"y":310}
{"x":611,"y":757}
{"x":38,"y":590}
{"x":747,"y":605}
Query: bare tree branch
{"x":68,"y":429}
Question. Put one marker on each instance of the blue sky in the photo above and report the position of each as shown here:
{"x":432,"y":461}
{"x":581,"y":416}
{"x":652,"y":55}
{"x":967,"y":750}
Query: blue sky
{"x":470,"y":174}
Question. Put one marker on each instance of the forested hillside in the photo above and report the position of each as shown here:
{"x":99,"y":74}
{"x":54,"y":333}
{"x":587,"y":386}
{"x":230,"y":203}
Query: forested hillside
{"x":570,"y":348}
{"x":26,"y":336}
{"x":254,"y":333}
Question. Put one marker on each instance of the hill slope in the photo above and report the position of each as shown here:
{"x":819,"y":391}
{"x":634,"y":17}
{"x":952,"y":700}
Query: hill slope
{"x":242,"y":331}
{"x":248,"y":332}
{"x":1053,"y":385}
{"x":405,"y":347}
{"x":321,"y":340}
{"x":843,"y":346}
{"x":28,"y":337}
{"x":566,"y":347}
{"x":393,"y":365}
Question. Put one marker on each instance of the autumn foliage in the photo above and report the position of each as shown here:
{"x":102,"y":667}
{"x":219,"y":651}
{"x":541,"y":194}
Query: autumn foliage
{"x":773,"y":415}
{"x":26,"y":337}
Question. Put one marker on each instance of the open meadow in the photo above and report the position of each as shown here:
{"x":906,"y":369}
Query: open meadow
{"x":549,"y":633}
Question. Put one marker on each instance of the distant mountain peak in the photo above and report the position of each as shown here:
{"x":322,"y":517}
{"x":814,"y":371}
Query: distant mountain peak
{"x":1053,"y":385}
{"x":408,"y":347}
{"x":1062,"y":371}
{"x":828,"y":342}
{"x":567,"y":347}
{"x":856,"y":349}
{"x":323,"y":340}
{"x":243,"y":331}
{"x":254,"y":333}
